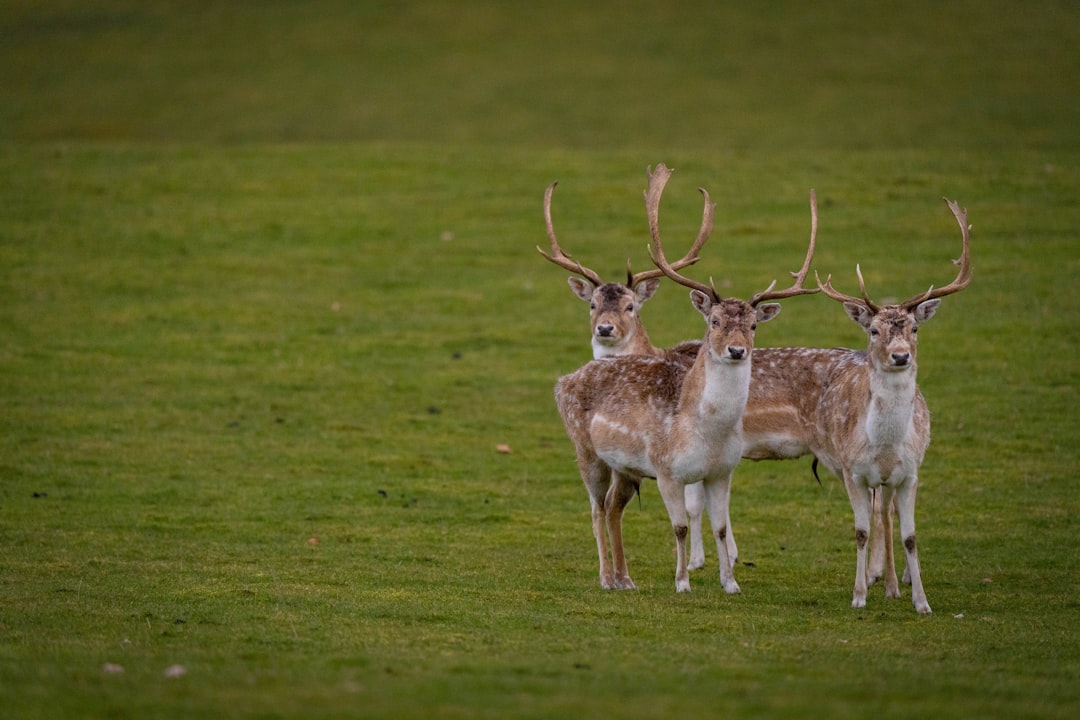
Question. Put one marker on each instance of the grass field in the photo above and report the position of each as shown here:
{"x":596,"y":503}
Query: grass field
{"x":269,"y":302}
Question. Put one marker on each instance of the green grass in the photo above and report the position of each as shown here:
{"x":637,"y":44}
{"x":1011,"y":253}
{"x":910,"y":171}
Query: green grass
{"x":267,"y":276}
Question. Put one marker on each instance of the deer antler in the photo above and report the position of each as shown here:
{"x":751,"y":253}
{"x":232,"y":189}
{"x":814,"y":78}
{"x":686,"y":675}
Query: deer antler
{"x":557,"y":256}
{"x":964,"y":261}
{"x":961,"y":281}
{"x":657,"y":180}
{"x":828,"y":289}
{"x":800,"y":276}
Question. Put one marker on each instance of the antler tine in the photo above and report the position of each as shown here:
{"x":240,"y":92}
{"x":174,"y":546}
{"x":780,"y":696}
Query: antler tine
{"x":964,"y":261}
{"x":800,"y":276}
{"x":830,"y":291}
{"x":657,"y":180}
{"x":557,"y":256}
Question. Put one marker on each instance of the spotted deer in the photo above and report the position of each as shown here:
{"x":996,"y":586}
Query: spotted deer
{"x":632,"y":417}
{"x":615,"y":308}
{"x":616,"y":327}
{"x":870,"y":425}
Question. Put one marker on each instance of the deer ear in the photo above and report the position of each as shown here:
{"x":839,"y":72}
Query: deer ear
{"x":925,"y":311}
{"x":767,"y":311}
{"x":702,"y":302}
{"x":859,"y":313}
{"x":646,"y":289}
{"x":581,"y":288}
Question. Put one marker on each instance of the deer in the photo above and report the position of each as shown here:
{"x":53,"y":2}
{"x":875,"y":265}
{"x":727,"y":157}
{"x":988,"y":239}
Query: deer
{"x":632,"y":417}
{"x":616,"y":327}
{"x":870,"y":425}
{"x":615,"y":321}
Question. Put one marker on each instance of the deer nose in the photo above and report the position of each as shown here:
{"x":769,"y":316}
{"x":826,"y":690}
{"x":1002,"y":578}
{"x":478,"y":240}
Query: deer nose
{"x":605,"y":330}
{"x":736,"y":353}
{"x":901,"y":359}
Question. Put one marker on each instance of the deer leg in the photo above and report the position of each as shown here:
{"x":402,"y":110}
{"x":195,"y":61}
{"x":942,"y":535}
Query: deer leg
{"x":862,"y":505}
{"x":622,"y":490}
{"x":905,"y":497}
{"x":732,"y":549}
{"x":907,"y":571}
{"x":597,"y":478}
{"x":884,"y":505}
{"x":876,"y":568}
{"x":675,"y":501}
{"x":718,"y":493}
{"x":695,"y":507}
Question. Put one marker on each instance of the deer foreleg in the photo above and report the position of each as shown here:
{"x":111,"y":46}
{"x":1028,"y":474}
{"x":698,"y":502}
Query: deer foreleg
{"x":905,"y":496}
{"x":862,"y":505}
{"x":675,"y":501}
{"x":695,"y":508}
{"x":718,"y":493}
{"x":622,"y":490}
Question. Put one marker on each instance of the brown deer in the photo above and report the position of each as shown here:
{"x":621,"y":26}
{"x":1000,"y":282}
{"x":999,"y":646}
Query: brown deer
{"x":615,"y":308}
{"x":870,"y":424}
{"x":617,"y":328}
{"x":632,"y":417}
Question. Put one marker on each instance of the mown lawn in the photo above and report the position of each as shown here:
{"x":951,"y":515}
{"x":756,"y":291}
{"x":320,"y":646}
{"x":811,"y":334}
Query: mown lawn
{"x":269,"y":303}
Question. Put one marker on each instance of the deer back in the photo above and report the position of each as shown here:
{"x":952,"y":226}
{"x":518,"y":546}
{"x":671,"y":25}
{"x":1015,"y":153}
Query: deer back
{"x":781,"y":410}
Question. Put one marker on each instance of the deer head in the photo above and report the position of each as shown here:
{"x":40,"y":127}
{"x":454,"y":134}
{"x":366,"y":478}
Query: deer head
{"x":614,"y":307}
{"x":892,"y":329}
{"x":730,"y":322}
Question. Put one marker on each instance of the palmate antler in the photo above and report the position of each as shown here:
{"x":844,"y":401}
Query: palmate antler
{"x":563,"y":260}
{"x":964,"y":261}
{"x":800,"y":276}
{"x":557,"y":256}
{"x":961,"y":281}
{"x":657,"y":182}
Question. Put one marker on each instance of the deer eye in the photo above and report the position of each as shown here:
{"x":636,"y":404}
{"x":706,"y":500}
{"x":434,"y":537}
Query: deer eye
{"x":874,"y":332}
{"x":753,"y":326}
{"x":630,"y":308}
{"x":592,"y":306}
{"x":915,"y":330}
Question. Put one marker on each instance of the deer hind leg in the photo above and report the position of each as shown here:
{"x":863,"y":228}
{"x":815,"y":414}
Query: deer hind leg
{"x":883,"y":504}
{"x":622,"y":490}
{"x":675,"y":501}
{"x":695,"y":508}
{"x":905,"y":497}
{"x":718,"y":492}
{"x":907,"y":570}
{"x":876,"y":568}
{"x":597,"y":478}
{"x":862,"y":505}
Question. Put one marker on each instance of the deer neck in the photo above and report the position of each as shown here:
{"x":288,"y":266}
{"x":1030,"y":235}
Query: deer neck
{"x":889,"y":417}
{"x":715,"y":391}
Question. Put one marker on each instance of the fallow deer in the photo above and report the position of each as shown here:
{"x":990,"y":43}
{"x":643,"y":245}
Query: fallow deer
{"x":870,"y":424}
{"x":633,"y":417}
{"x":615,"y":308}
{"x":616,"y":327}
